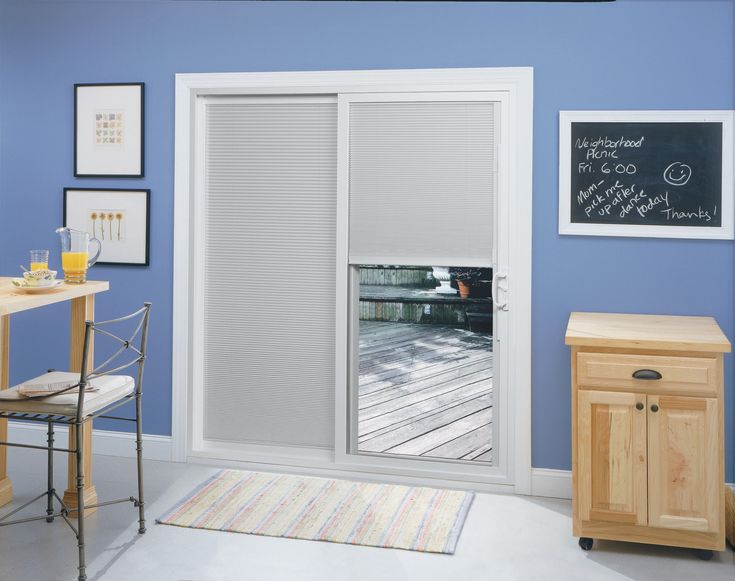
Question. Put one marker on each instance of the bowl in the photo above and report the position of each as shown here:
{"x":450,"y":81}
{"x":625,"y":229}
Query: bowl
{"x":39,"y":277}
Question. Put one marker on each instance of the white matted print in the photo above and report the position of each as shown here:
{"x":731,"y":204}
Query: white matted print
{"x":119,"y":219}
{"x":108,"y":130}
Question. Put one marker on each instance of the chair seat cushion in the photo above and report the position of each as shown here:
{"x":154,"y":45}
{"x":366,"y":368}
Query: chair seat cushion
{"x":107,"y":390}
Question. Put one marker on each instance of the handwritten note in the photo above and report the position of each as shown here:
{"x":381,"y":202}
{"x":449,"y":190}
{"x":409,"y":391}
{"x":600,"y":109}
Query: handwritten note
{"x":656,"y":173}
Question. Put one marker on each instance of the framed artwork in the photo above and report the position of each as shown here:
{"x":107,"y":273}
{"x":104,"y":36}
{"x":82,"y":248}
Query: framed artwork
{"x":108,"y":130}
{"x":119,"y":219}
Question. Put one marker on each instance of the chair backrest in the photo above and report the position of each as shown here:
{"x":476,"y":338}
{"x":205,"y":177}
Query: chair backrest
{"x":131,"y":351}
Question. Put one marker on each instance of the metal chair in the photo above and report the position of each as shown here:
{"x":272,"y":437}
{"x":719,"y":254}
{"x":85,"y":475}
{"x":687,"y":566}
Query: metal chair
{"x":99,"y":392}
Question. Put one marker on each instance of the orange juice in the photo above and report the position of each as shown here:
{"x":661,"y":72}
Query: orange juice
{"x":75,"y":266}
{"x":39,"y":260}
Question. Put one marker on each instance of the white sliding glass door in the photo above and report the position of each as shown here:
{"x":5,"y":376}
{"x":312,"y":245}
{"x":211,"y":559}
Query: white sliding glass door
{"x":328,"y":227}
{"x":265,"y":343}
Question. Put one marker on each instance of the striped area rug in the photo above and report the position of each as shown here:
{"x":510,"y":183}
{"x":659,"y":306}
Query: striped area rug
{"x":340,"y":511}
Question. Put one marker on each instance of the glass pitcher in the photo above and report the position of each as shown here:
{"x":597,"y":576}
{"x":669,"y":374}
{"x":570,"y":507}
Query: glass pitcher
{"x":75,"y":254}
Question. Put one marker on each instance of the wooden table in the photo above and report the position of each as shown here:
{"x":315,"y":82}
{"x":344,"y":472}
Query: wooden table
{"x":81,"y":297}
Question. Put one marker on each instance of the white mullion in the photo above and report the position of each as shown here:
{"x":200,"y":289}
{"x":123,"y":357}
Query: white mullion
{"x":198,"y":221}
{"x":342,"y":408}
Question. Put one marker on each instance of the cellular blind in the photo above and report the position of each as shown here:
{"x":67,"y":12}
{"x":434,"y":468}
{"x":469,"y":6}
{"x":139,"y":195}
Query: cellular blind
{"x":269,"y":289}
{"x":422,"y":182}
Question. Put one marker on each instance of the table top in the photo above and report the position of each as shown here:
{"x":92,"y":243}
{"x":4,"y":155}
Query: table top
{"x":646,"y":331}
{"x":14,"y":300}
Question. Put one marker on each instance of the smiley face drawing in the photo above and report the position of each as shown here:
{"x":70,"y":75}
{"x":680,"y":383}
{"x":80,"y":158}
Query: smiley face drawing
{"x":678,"y":174}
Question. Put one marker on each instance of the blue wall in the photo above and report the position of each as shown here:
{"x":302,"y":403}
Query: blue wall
{"x":624,"y":55}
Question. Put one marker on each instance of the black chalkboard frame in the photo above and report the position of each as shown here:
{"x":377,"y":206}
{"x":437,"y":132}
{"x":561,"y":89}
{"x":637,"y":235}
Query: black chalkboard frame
{"x":567,"y":226}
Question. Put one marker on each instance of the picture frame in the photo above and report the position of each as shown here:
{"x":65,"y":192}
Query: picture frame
{"x":118,"y":218}
{"x":647,"y":174}
{"x":109,"y":130}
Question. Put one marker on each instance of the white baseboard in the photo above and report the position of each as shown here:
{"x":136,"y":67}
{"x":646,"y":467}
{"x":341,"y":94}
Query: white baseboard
{"x":105,"y":442}
{"x":544,"y":481}
{"x":551,"y":483}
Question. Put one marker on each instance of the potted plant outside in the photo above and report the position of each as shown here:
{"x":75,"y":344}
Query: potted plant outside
{"x":466,"y":278}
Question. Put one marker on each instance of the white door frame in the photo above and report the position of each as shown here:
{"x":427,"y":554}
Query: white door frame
{"x":517,"y":86}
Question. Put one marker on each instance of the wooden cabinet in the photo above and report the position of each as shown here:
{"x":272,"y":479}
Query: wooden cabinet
{"x":684,"y":450}
{"x":648,"y":429}
{"x":612,"y":459}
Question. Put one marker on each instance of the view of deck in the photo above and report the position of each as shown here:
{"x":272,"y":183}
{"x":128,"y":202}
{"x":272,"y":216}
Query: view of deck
{"x":425,"y":390}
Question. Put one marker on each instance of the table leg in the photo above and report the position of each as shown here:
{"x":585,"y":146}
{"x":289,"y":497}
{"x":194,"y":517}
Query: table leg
{"x":6,"y":487}
{"x":82,"y":309}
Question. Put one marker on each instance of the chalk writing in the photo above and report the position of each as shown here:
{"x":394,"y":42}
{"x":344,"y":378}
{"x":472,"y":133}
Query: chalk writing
{"x":646,"y":173}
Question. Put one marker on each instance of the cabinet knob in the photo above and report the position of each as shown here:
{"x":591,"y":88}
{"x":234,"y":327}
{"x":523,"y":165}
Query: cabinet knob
{"x":654,"y":408}
{"x":639,"y":406}
{"x":647,"y":374}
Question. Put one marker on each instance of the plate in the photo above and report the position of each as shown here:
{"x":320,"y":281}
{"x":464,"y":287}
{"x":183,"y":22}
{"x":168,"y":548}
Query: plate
{"x":36,"y":289}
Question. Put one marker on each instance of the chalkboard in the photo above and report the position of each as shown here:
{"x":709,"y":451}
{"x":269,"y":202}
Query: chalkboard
{"x":646,"y":174}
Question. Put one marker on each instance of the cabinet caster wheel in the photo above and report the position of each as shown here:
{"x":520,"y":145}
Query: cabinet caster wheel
{"x":585,"y":543}
{"x":704,"y":554}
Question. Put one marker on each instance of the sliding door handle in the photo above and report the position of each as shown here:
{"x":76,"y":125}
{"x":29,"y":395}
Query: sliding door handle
{"x":497,"y":277}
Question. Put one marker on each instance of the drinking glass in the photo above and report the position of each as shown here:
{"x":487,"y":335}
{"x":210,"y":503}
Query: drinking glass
{"x":39,"y":260}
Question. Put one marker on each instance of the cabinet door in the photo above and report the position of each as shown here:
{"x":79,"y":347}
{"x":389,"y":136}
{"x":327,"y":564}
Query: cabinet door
{"x":611,"y":483}
{"x":684,"y":483}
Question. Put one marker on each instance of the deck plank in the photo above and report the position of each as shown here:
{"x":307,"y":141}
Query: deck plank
{"x":413,"y":344}
{"x":425,"y":390}
{"x":483,"y":449}
{"x":396,"y":372}
{"x":444,"y":435}
{"x":399,"y":417}
{"x":463,"y":445}
{"x":428,"y":423}
{"x":404,"y":396}
{"x":460,"y":374}
{"x":397,"y":358}
{"x":486,"y":457}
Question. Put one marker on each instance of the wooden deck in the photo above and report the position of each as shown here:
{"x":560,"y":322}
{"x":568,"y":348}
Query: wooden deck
{"x":425,"y":390}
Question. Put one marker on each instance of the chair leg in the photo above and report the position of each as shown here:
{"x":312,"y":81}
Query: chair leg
{"x":80,"y":499}
{"x":50,"y":474}
{"x":139,"y":453}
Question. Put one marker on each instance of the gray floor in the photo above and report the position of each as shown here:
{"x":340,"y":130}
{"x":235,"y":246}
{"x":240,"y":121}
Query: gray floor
{"x":505,"y":538}
{"x":425,"y":390}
